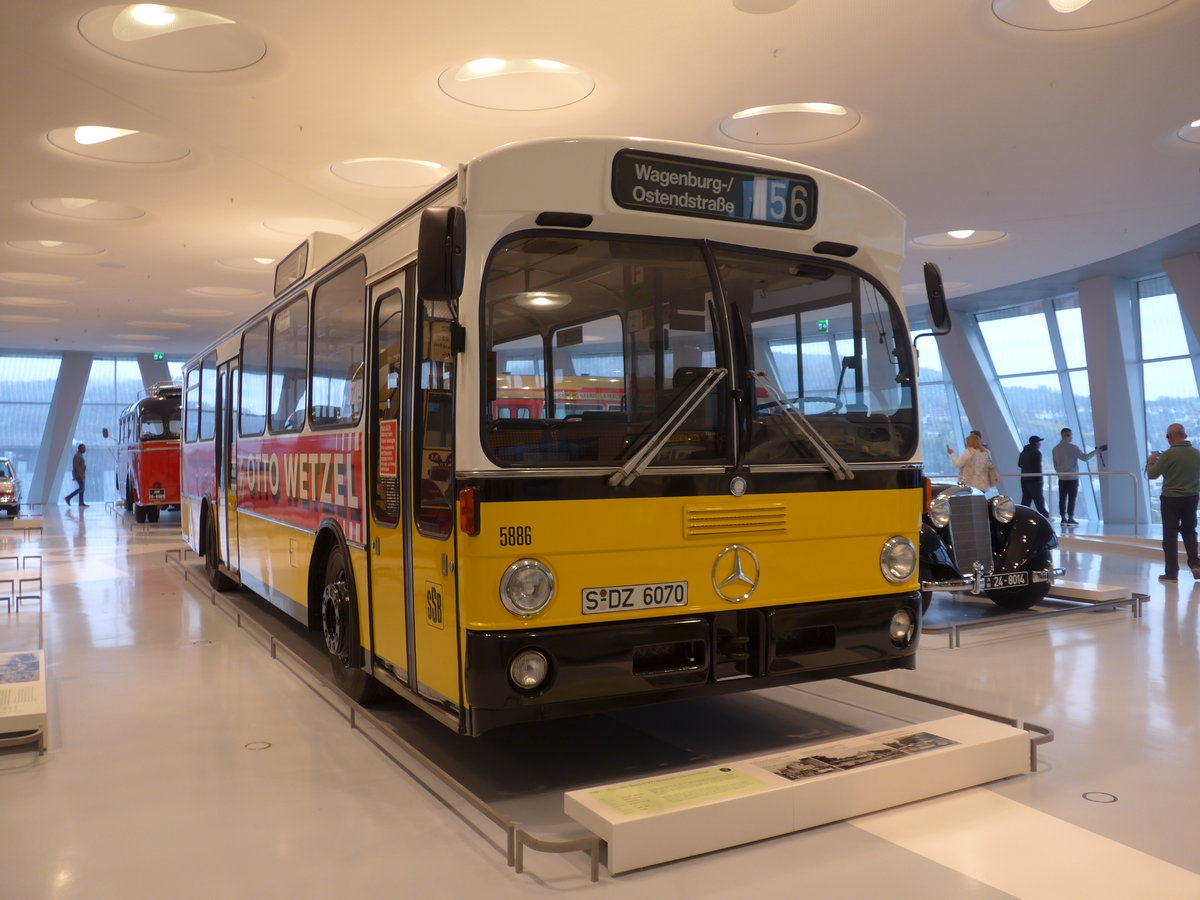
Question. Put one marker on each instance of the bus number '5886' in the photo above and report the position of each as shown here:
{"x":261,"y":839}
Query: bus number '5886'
{"x":516,"y":535}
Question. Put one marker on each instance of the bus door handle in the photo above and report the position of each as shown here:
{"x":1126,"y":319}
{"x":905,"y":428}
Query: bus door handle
{"x":376,"y":546}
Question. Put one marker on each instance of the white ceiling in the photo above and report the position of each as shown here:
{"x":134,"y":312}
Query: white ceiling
{"x":1064,"y":140}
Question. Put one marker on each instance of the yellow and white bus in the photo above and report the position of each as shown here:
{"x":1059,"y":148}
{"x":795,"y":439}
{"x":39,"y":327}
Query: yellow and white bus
{"x":597,"y":422}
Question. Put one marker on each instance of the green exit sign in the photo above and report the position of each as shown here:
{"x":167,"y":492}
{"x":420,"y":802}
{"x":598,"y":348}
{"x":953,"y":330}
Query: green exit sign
{"x":822,"y":326}
{"x":159,"y":357}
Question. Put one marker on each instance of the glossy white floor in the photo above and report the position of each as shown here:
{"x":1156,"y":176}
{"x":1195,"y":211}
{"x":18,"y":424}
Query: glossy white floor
{"x":158,"y":783}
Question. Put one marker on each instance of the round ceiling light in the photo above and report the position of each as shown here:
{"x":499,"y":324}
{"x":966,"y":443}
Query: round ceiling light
{"x":22,"y":319}
{"x":170,"y":326}
{"x":790,"y":123}
{"x":303,"y":227}
{"x":84,"y":208}
{"x":388,"y":172}
{"x":763,"y":7}
{"x":1190,"y":132}
{"x":193,"y":312}
{"x":43,"y":279}
{"x":31,"y":302}
{"x":117,"y":144}
{"x":57,"y":248}
{"x":246,"y":264}
{"x":516,"y":84}
{"x":140,"y":337}
{"x":1072,"y":15}
{"x":965,"y":237}
{"x":172,"y":37}
{"x":231,"y":292}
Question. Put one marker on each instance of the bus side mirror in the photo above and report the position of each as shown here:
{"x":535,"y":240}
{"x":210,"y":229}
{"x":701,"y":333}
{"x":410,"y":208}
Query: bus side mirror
{"x":104,"y":431}
{"x":939,"y":312}
{"x":440,"y":253}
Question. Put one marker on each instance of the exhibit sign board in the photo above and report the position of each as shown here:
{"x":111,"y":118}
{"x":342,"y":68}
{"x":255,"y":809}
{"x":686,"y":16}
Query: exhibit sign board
{"x":653,"y":820}
{"x":23,"y":693}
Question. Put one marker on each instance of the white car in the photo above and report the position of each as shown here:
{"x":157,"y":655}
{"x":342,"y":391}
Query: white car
{"x":10,"y":487}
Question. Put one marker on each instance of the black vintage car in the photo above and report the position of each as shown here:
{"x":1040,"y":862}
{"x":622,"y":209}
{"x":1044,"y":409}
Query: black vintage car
{"x":985,"y":545}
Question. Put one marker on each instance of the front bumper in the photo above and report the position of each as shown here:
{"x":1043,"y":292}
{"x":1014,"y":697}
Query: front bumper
{"x":975,"y":582}
{"x":626,"y":663}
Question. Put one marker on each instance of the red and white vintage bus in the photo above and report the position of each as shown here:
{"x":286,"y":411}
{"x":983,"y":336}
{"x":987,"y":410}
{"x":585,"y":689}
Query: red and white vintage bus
{"x":148,"y":452}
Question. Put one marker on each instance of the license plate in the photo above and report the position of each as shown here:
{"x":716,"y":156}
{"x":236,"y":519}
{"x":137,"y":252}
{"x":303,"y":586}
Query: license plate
{"x":158,"y":494}
{"x":1007,"y":580}
{"x":634,"y":597}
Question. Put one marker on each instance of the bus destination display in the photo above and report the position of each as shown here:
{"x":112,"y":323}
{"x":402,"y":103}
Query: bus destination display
{"x":685,"y":187}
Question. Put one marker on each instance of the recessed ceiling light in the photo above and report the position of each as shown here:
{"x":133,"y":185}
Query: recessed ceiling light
{"x":762,"y":7}
{"x":171,"y":326}
{"x":960,"y":238}
{"x":1072,"y":15}
{"x":223,"y":292}
{"x":172,"y":37}
{"x":140,"y":337}
{"x":246,"y":264}
{"x":192,"y":312}
{"x":303,"y":227}
{"x":516,"y":84}
{"x":117,"y":144}
{"x":85,"y":208}
{"x":1190,"y":132}
{"x":387,"y":172}
{"x":22,"y":319}
{"x":790,"y":123}
{"x":28,"y":302}
{"x":57,"y":248}
{"x":542,"y":299}
{"x":45,"y":279}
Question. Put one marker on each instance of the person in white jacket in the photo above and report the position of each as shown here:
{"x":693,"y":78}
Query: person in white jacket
{"x":975,"y":466}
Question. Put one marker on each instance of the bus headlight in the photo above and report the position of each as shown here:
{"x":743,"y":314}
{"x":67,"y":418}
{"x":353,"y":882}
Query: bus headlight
{"x":528,"y":669}
{"x":526,"y":587}
{"x":898,"y":559}
{"x":939,"y":512}
{"x":1003,"y":509}
{"x":903,"y":628}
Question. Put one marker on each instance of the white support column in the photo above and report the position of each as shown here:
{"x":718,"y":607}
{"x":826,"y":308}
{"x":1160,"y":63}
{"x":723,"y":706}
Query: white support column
{"x":1115,"y":379}
{"x":966,"y":360}
{"x":1184,"y":274}
{"x":153,"y":370}
{"x":72,"y":381}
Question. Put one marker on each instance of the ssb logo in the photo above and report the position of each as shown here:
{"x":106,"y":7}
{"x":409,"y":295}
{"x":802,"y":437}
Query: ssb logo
{"x":433,"y":605}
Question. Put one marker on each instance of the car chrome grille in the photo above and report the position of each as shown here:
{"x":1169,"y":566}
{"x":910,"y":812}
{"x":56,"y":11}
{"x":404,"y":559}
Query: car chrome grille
{"x":970,"y":533}
{"x":699,"y":521}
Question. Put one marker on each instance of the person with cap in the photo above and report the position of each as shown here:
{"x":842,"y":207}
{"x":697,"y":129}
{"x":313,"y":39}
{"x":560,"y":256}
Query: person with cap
{"x":1179,"y":468}
{"x":1067,"y":456}
{"x":1030,"y":461}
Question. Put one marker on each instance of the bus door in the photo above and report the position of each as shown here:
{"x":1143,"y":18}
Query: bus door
{"x":225,"y":503}
{"x":413,"y":485}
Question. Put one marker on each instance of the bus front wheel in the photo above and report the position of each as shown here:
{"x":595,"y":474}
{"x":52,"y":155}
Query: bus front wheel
{"x":339,"y":624}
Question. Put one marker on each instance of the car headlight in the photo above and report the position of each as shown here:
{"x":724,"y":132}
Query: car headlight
{"x":1003,"y":509}
{"x":898,"y":559}
{"x":526,"y":587}
{"x":939,"y":511}
{"x":528,"y":669}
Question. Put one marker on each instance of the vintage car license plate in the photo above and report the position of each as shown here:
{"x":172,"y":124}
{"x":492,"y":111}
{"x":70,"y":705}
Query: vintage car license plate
{"x":1006,"y":580}
{"x":634,"y":597}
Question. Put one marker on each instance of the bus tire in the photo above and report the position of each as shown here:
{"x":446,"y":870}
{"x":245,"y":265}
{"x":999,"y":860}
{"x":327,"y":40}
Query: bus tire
{"x":151,"y":513}
{"x":339,"y":626}
{"x":128,"y":494}
{"x":139,"y":514}
{"x":218,"y":579}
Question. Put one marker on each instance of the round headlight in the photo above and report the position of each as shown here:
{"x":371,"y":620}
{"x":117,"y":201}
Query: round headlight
{"x":902,"y":627}
{"x":898,"y":559}
{"x":526,"y":587}
{"x":939,"y":511}
{"x":529,"y":669}
{"x":1003,"y":509}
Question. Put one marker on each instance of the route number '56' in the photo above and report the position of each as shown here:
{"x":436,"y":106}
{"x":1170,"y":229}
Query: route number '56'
{"x":516,"y":535}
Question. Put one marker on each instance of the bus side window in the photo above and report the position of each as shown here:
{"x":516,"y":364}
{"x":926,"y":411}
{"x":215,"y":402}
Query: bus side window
{"x":252,"y":415}
{"x":192,"y":406}
{"x":289,"y":366}
{"x":339,"y":307}
{"x":208,"y":396}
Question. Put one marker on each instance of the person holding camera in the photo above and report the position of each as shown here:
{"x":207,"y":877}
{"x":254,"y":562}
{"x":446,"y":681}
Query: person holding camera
{"x":1179,"y":468}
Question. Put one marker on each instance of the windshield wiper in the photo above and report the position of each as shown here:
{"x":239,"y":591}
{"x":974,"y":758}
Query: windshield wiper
{"x":837,"y":465}
{"x":638,"y":462}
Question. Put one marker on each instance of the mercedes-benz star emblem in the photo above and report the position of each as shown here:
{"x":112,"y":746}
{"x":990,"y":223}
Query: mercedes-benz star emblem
{"x":735,"y":573}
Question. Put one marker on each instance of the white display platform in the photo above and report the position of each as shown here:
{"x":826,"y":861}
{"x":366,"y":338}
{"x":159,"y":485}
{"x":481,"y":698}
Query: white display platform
{"x":1089,"y":592}
{"x":655,"y":820}
{"x":23,"y":696}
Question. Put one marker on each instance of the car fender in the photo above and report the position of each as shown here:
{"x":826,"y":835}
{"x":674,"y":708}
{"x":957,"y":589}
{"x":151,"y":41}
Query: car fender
{"x":1025,"y":537}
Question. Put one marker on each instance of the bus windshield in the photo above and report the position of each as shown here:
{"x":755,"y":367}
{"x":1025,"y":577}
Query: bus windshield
{"x":158,"y":420}
{"x":593,"y":343}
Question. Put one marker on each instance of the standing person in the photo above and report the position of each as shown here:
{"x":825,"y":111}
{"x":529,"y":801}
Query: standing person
{"x":79,"y":473}
{"x":975,"y":466}
{"x":1030,"y":460}
{"x":1179,"y":466}
{"x":1066,"y":460}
